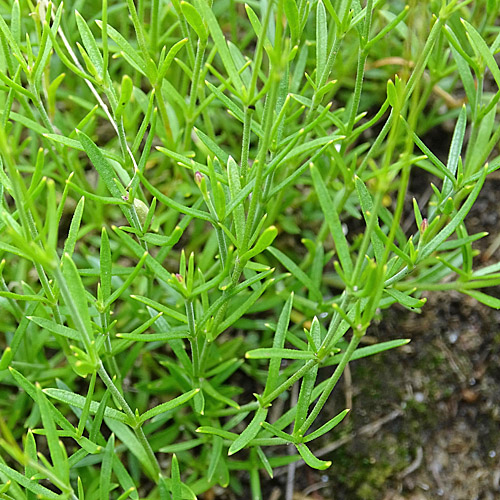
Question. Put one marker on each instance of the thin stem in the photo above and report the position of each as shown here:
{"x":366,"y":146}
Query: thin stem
{"x":155,"y":4}
{"x":288,"y":383}
{"x":261,"y":157}
{"x":139,"y":432}
{"x":331,"y":383}
{"x":200,"y":52}
{"x":194,"y":339}
{"x":245,"y":142}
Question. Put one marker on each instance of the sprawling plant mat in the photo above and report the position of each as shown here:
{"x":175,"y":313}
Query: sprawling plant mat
{"x":203,"y":209}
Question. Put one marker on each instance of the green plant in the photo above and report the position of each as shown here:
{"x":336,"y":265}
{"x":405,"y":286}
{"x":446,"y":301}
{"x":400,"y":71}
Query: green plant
{"x":161,"y":259}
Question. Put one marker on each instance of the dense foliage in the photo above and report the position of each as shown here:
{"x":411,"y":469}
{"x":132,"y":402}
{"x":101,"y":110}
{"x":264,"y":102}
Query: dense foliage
{"x":202,"y":206}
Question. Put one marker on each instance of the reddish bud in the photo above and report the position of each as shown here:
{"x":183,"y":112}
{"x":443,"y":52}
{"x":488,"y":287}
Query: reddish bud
{"x":423,"y":226}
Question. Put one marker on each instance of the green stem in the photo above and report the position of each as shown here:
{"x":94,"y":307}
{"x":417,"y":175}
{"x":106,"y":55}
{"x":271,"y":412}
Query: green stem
{"x":288,"y":383}
{"x":245,"y":143}
{"x":154,"y":25}
{"x":195,"y":352}
{"x":139,"y":432}
{"x":331,"y":383}
{"x":258,"y":54}
{"x":200,"y":52}
{"x":261,"y":158}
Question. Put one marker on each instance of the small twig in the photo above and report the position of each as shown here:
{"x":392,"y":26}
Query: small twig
{"x":348,"y":386}
{"x":414,"y":465}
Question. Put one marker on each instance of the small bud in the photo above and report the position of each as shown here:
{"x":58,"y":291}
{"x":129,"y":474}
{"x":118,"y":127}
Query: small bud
{"x":198,"y":177}
{"x":423,"y":226}
{"x":142,"y":210}
{"x":179,"y":277}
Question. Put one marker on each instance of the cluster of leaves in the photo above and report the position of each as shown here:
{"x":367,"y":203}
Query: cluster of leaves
{"x":163,"y":260}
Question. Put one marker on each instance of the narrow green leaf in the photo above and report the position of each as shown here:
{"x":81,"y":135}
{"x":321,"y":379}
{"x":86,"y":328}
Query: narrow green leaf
{"x":278,"y":343}
{"x":106,"y":468}
{"x":405,"y":300}
{"x":265,"y":461}
{"x":126,"y":90}
{"x":278,"y":432}
{"x":333,"y":221}
{"x":129,"y":53}
{"x":211,"y":391}
{"x":20,"y":296}
{"x":463,"y":68}
{"x":152,"y":264}
{"x":31,"y":453}
{"x":308,"y":380}
{"x":250,"y":432}
{"x":296,"y":272}
{"x":326,"y":427}
{"x":89,"y":43}
{"x":176,"y":479}
{"x":243,"y":308}
{"x":99,"y":416}
{"x":181,"y":446}
{"x":75,"y":298}
{"x":215,"y":431}
{"x":59,"y":461}
{"x":257,"y":27}
{"x":212,"y":146}
{"x":56,"y":328}
{"x":171,"y":313}
{"x":215,"y":456}
{"x":15,"y":22}
{"x":479,"y":44}
{"x":81,"y":492}
{"x":154,"y":337}
{"x":129,"y":439}
{"x":105,"y":265}
{"x":366,"y":204}
{"x":265,"y":240}
{"x":220,"y":42}
{"x":197,"y":214}
{"x":162,"y":240}
{"x":321,"y":40}
{"x":13,"y":45}
{"x":105,"y":170}
{"x":310,"y":459}
{"x":432,"y":157}
{"x":169,"y":405}
{"x":69,"y":244}
{"x":457,"y":219}
{"x":371,"y":350}
{"x":292,"y":17}
{"x":130,"y":278}
{"x":86,"y":408}
{"x":195,"y":21}
{"x":455,"y":149}
{"x":126,"y":482}
{"x":78,"y":401}
{"x":483,"y":298}
{"x":27,"y":483}
{"x":269,"y":353}
{"x":162,"y":71}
